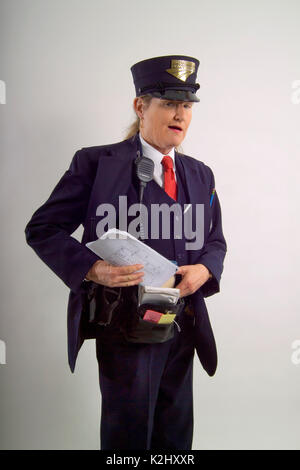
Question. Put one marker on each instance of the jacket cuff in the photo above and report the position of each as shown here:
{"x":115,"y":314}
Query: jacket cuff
{"x":212,"y":285}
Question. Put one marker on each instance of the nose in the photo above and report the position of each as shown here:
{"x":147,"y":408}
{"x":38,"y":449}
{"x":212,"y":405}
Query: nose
{"x":179,"y":112}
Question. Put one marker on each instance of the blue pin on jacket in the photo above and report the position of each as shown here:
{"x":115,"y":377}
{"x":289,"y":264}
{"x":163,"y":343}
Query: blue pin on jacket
{"x":212,"y":197}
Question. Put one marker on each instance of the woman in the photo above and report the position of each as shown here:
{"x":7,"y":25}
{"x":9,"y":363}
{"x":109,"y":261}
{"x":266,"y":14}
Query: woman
{"x":163,"y":124}
{"x":146,"y":384}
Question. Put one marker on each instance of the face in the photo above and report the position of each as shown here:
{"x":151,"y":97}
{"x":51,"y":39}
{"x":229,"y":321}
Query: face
{"x":163,"y":123}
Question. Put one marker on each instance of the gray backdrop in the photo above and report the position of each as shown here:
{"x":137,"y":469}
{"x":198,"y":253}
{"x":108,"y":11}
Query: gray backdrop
{"x":65,"y":84}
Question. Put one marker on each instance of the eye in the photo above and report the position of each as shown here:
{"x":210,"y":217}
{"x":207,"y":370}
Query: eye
{"x":169,"y":104}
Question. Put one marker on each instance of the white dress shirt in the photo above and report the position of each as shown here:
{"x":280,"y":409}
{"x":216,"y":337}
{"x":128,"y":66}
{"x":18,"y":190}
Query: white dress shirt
{"x":156,"y":156}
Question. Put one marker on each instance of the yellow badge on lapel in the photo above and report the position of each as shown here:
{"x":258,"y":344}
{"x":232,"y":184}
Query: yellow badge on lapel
{"x":181,"y":69}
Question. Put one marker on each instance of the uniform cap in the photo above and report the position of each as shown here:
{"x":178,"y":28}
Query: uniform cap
{"x":168,"y":77}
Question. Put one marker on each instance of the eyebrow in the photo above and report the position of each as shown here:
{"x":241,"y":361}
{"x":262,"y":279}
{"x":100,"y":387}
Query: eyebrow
{"x":175,"y":101}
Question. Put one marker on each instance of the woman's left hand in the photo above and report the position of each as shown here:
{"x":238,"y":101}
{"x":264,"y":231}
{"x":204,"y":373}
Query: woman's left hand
{"x":193,"y":277}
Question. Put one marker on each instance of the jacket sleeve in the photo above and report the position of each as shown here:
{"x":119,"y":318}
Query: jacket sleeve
{"x":215,"y":247}
{"x":50,"y":228}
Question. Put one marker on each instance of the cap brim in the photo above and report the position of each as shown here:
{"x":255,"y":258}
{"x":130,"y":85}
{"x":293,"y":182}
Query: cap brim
{"x":176,"y":95}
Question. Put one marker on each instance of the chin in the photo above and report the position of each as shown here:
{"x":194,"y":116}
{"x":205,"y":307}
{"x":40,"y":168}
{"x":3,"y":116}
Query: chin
{"x":176,"y":142}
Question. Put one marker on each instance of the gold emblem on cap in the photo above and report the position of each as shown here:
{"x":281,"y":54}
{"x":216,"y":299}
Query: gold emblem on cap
{"x":181,"y":69}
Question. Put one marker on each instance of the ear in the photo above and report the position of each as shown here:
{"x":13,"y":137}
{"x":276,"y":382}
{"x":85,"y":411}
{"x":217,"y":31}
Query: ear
{"x":138,"y":106}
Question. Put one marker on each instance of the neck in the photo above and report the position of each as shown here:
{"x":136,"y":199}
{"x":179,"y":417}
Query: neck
{"x":164,"y":151}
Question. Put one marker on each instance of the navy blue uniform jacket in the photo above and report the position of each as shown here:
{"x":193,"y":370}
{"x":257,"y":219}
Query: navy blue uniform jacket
{"x":100,"y":175}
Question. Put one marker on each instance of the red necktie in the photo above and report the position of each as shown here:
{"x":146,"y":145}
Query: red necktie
{"x":169,"y":177}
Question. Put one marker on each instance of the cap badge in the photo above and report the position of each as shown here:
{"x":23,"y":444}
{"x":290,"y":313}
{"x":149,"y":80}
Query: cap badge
{"x":181,"y":69}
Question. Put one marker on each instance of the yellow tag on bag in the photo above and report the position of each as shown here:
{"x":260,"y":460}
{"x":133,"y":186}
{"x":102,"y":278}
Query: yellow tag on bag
{"x":167,"y":318}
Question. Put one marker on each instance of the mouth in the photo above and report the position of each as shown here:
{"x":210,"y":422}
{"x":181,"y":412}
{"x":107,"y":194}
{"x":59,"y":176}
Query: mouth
{"x":176,"y":129}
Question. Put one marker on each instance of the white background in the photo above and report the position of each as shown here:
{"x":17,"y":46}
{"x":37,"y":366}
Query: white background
{"x":66,"y":66}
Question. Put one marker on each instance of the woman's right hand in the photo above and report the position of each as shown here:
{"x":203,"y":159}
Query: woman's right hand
{"x":115,"y":276}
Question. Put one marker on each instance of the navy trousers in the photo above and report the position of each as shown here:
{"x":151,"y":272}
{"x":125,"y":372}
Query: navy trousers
{"x":147,"y":392}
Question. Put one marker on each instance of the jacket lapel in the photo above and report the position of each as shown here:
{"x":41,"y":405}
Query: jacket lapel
{"x":114,"y":175}
{"x":195,"y":185}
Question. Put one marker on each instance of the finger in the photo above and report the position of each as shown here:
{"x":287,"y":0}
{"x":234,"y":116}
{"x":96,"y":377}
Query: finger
{"x":126,"y":269}
{"x":182,"y":270}
{"x":184,"y":292}
{"x":125,"y":283}
{"x":185,"y":289}
{"x":181,"y":285}
{"x":128,"y":277}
